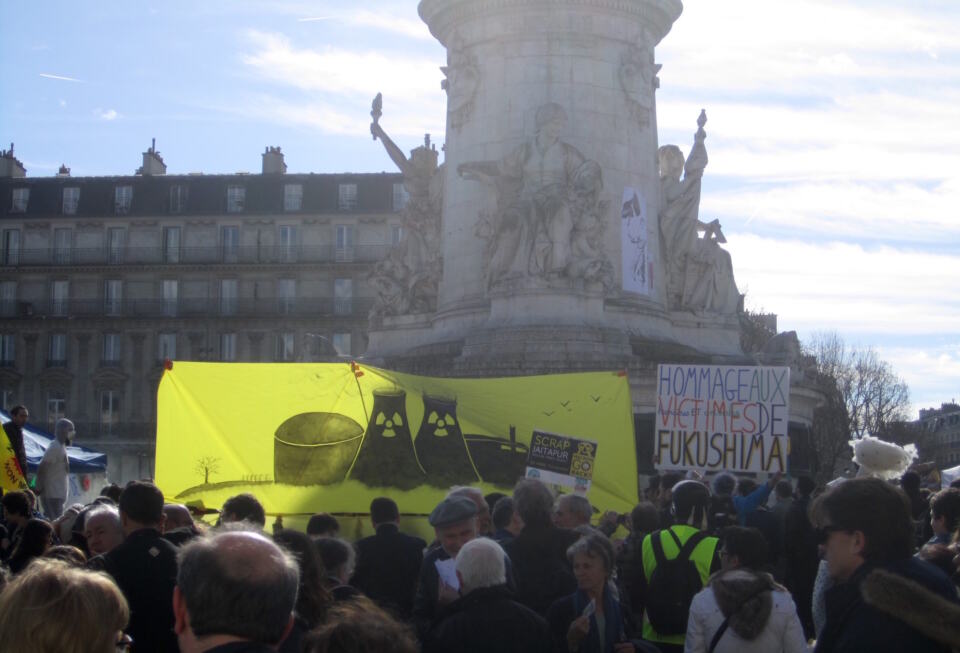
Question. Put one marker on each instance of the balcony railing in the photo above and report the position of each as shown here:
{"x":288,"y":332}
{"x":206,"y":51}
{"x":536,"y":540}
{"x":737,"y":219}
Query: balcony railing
{"x":192,"y":308}
{"x":245,"y":255}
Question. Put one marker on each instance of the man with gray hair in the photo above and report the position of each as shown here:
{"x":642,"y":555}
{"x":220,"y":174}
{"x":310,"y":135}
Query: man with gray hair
{"x":53,"y":471}
{"x":484,"y":522}
{"x":235,"y":593}
{"x":572,"y":511}
{"x":486,"y":617}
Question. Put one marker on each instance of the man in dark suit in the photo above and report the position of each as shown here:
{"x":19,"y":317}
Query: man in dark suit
{"x":388,"y":563}
{"x":145,"y":569}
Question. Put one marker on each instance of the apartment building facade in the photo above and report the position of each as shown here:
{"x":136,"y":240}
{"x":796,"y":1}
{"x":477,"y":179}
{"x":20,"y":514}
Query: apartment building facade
{"x":102,"y":279}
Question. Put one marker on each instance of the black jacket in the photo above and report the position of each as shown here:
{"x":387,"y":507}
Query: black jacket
{"x":145,"y":568}
{"x":488,"y":620}
{"x":853,"y":625}
{"x":388,"y":564}
{"x":540,"y":566}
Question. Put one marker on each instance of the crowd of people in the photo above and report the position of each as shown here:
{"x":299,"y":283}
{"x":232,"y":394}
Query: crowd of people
{"x":729,"y":565}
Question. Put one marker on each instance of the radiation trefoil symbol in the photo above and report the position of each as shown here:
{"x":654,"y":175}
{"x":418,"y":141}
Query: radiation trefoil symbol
{"x":440,"y":423}
{"x":388,"y":424}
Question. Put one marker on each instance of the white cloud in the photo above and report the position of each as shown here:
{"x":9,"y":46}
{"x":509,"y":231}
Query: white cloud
{"x":106,"y":114}
{"x":932,"y":373}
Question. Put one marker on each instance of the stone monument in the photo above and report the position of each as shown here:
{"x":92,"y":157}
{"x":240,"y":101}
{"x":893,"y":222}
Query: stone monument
{"x":557,"y":235}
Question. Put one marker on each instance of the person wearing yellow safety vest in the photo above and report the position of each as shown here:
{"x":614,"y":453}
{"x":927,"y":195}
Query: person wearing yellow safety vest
{"x":677,"y":563}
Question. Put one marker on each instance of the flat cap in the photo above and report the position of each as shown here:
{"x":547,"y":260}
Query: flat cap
{"x":452,"y":510}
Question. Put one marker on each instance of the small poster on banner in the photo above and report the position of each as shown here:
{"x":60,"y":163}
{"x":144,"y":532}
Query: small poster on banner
{"x":637,"y":267}
{"x":562,"y":460}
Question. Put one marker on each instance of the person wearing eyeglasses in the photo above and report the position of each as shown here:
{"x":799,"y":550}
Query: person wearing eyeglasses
{"x":866,"y":535}
{"x":742,"y":609}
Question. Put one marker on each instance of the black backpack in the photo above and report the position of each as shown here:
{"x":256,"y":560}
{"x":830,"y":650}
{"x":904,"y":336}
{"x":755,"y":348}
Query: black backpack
{"x":673,"y":584}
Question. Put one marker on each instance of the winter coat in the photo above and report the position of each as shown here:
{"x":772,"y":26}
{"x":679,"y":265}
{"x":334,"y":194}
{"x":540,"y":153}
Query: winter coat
{"x":764,"y":623}
{"x":540,"y":566}
{"x":854,"y":625}
{"x":488,"y":619}
{"x":388,"y":565}
{"x":929,"y":612}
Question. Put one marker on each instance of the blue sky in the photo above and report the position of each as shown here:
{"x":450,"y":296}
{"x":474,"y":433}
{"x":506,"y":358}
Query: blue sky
{"x":833,"y":129}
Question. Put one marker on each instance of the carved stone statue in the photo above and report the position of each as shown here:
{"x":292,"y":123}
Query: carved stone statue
{"x":637,"y":75}
{"x":699,"y":273}
{"x":549,"y":218}
{"x":408,"y":278}
{"x":461,"y":83}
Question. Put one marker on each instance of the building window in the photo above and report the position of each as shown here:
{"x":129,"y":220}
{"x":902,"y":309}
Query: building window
{"x":347,"y":197}
{"x":292,"y":197}
{"x":21,"y":197}
{"x":228,"y":297}
{"x":112,"y":297}
{"x":71,"y":198}
{"x":171,"y":244}
{"x":8,"y":352}
{"x":11,"y":246}
{"x":62,"y":245}
{"x":60,"y":298}
{"x":286,"y":295}
{"x":236,"y":198}
{"x":122,"y":198}
{"x":178,"y":198}
{"x":229,"y":244}
{"x":288,"y":243}
{"x":167,"y":346}
{"x":396,"y":234}
{"x":8,"y":398}
{"x":111,"y":350}
{"x":109,"y":411}
{"x":285,"y":350}
{"x":342,"y":296}
{"x":56,"y":408}
{"x":57,"y":354}
{"x":400,"y":197}
{"x":170,"y":297}
{"x":345,"y":237}
{"x":115,"y":238}
{"x":8,"y":298}
{"x":228,"y":346}
{"x":341,"y":342}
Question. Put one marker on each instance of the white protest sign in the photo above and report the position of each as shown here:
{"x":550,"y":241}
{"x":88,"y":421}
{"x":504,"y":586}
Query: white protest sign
{"x":637,"y":268}
{"x":715,"y":417}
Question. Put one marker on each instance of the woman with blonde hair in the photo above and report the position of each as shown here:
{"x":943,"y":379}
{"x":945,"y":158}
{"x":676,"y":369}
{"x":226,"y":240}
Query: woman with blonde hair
{"x":54,"y":608}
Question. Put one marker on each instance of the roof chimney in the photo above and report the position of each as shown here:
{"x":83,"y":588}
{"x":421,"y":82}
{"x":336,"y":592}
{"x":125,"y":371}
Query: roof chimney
{"x":152,"y":161}
{"x":273,"y":161}
{"x":10,"y":166}
{"x":64,"y":171}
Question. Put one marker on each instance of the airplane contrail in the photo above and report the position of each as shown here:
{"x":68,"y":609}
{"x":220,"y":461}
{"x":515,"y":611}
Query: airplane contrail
{"x":60,"y":77}
{"x":313,"y":19}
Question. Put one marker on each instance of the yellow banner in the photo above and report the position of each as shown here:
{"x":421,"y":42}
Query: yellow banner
{"x":330,"y":437}
{"x":11,"y":476}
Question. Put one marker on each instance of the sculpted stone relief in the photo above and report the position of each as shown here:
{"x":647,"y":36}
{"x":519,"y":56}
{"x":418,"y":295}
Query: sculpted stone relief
{"x":637,"y":76}
{"x":408,"y":278}
{"x":461,"y":84}
{"x":549,"y":218}
{"x":699,"y":272}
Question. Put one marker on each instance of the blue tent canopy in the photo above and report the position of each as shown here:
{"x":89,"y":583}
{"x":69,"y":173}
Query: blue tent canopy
{"x":36,"y":441}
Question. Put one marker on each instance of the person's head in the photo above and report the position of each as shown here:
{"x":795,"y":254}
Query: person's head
{"x":52,"y":607}
{"x":942,"y":557}
{"x":671,"y":162}
{"x":862,"y":519}
{"x":491,"y":498}
{"x":534,"y":502}
{"x":68,"y":554}
{"x":746,"y":487}
{"x":667,"y":481}
{"x":31,"y":499}
{"x":37,"y":537}
{"x":141,"y":506}
{"x":724,"y":484}
{"x":360,"y":626}
{"x":550,"y":120}
{"x":593,"y":558}
{"x":945,"y":511}
{"x":644,"y":518}
{"x":572,"y":510}
{"x":454,"y":522}
{"x":910,"y":482}
{"x":338,"y":556}
{"x":652,"y":493}
{"x":690,"y":502}
{"x":102,"y":530}
{"x":243,"y":507}
{"x":64,"y":430}
{"x":112,"y":492}
{"x":176,"y":515}
{"x":480,"y":563}
{"x":484,"y":523}
{"x":312,"y":598}
{"x":16,"y":507}
{"x":742,"y":548}
{"x":384,"y":510}
{"x":805,"y":486}
{"x":20,"y":415}
{"x":784,"y":490}
{"x":234,"y":583}
{"x":323,"y":525}
{"x":506,"y":517}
